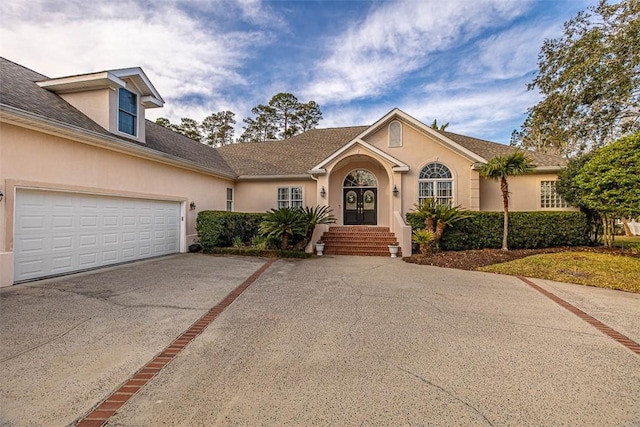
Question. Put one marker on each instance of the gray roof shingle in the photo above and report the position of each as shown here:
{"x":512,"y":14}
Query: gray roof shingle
{"x":293,"y":156}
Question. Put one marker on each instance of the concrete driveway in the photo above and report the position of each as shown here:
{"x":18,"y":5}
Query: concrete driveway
{"x":327,"y":341}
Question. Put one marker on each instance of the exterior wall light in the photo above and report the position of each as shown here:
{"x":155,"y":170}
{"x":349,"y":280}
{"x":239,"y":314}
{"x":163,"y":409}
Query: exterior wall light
{"x":323,"y":192}
{"x":192,"y":206}
{"x":1,"y":195}
{"x":395,"y":191}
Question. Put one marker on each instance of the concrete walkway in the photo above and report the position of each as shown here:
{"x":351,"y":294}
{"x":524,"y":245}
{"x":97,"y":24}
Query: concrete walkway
{"x":327,"y":341}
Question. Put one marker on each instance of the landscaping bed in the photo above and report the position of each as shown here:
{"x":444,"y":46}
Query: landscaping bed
{"x":473,"y":259}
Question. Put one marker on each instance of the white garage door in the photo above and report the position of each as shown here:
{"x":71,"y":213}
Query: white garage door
{"x":58,"y":233}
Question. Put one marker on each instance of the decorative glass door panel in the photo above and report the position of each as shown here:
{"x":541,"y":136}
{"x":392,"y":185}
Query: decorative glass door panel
{"x":360,"y":206}
{"x":360,"y":198}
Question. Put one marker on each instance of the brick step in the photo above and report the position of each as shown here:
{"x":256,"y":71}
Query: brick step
{"x":358,"y":240}
{"x":352,"y":251}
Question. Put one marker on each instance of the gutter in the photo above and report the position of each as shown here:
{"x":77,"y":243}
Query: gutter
{"x":273,"y":177}
{"x":12,"y":115}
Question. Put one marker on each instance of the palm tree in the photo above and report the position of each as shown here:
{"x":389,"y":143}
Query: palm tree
{"x":283,"y":223}
{"x":500,"y":168}
{"x":311,"y":217}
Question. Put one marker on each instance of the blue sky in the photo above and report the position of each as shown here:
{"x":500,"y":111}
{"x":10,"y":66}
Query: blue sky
{"x":466,"y":62}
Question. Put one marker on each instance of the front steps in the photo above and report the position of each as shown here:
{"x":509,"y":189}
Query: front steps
{"x":358,"y":240}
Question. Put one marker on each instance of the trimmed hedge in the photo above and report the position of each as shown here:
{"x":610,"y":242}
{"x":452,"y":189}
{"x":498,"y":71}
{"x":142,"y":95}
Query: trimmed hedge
{"x":527,"y":230}
{"x":268,"y":253}
{"x":218,"y":228}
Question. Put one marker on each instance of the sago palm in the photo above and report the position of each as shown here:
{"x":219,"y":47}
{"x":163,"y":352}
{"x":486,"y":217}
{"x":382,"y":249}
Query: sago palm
{"x":500,"y":168}
{"x":282,"y":223}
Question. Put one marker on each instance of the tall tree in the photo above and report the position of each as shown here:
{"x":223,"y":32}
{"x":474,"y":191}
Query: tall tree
{"x":590,"y":82}
{"x":443,"y":127}
{"x":500,"y":168}
{"x":189,"y":128}
{"x":283,"y":117}
{"x":285,"y":108}
{"x":261,"y":128}
{"x":609,"y":182}
{"x":308,"y":116}
{"x":218,"y":128}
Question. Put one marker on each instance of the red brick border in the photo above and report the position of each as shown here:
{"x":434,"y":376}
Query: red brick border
{"x":108,"y":407}
{"x":611,"y":333}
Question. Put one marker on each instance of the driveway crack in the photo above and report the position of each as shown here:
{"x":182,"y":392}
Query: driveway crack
{"x":444,"y":390}
{"x":57,"y":337}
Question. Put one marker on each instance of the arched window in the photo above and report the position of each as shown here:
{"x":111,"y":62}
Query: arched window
{"x":435,"y":181}
{"x":395,"y":134}
{"x":360,"y":178}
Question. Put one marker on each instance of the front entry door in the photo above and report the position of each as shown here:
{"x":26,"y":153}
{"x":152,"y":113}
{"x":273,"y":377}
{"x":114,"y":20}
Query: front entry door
{"x":360,"y":206}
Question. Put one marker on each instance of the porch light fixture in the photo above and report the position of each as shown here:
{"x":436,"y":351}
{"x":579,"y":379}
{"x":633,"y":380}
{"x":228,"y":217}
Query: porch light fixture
{"x":323,"y":192}
{"x":395,"y":190}
{"x":192,"y":206}
{"x":1,"y":195}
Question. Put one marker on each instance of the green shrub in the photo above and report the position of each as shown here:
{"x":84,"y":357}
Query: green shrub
{"x":269,"y":253}
{"x":527,"y":230}
{"x":219,"y":228}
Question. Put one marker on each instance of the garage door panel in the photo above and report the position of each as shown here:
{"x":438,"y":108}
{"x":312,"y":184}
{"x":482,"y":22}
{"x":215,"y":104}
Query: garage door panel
{"x":57,"y":233}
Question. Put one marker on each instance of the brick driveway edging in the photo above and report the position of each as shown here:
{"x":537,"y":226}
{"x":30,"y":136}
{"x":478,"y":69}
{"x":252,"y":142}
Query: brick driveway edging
{"x":108,"y":407}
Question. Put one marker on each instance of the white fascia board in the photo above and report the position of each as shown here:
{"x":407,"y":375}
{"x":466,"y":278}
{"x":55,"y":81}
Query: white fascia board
{"x":367,"y":146}
{"x":82,"y":82}
{"x":151,"y":102}
{"x":53,"y":127}
{"x":317,"y":171}
{"x":295,"y":177}
{"x":141,"y":81}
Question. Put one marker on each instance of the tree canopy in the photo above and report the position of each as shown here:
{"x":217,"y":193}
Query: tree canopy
{"x":590,"y":82}
{"x":283,"y":117}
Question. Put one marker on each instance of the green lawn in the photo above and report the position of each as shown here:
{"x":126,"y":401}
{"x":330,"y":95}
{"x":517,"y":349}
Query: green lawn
{"x":585,"y":268}
{"x":632,"y":242}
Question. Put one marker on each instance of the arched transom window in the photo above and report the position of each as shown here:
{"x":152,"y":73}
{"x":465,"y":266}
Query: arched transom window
{"x":360,"y":178}
{"x":435,"y":181}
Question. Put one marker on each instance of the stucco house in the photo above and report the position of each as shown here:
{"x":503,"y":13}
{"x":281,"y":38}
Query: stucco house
{"x":87,"y":181}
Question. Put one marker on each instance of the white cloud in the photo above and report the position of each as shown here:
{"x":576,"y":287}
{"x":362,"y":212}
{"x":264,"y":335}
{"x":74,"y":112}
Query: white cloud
{"x":181,"y":57}
{"x":397,"y":38}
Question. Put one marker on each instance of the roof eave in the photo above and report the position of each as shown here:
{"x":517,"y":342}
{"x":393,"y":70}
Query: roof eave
{"x":30,"y":120}
{"x":273,"y":177}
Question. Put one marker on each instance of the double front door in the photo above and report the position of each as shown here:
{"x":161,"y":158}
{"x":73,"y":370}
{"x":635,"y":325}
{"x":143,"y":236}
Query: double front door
{"x":360,"y":206}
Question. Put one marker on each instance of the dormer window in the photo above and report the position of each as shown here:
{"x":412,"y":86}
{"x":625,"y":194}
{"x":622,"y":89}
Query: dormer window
{"x":127,"y":111}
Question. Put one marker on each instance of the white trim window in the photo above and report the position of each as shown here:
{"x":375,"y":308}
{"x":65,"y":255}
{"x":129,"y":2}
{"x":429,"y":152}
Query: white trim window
{"x":289,"y":197}
{"x":395,"y":134}
{"x":127,"y":111}
{"x":435,"y":181}
{"x":549,"y":198}
{"x":229,"y":199}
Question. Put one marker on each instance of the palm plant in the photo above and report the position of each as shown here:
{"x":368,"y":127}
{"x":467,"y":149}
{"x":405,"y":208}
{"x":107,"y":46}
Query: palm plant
{"x":500,"y":168}
{"x":424,"y":238}
{"x":439,"y":216}
{"x":312,"y":216}
{"x":283,"y":223}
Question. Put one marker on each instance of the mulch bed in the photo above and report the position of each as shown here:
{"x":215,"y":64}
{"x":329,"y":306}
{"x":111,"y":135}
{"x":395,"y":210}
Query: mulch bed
{"x":472,"y":259}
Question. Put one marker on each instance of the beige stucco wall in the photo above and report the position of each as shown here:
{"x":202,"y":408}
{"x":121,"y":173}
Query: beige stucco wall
{"x":260,"y":196}
{"x":418,"y":150}
{"x":33,"y":159}
{"x":524,"y":193}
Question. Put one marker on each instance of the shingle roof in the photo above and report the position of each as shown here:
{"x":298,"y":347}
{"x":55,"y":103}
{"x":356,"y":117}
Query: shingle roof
{"x":19,"y":90}
{"x":488,"y":150}
{"x":293,"y":156}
